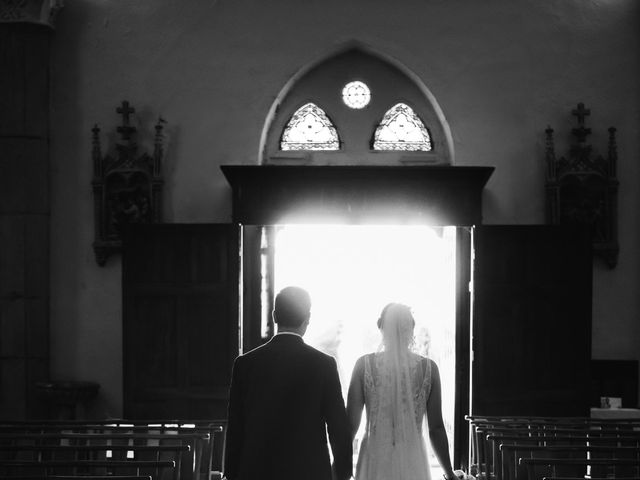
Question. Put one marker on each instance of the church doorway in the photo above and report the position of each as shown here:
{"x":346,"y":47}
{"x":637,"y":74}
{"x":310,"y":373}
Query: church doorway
{"x":352,"y":271}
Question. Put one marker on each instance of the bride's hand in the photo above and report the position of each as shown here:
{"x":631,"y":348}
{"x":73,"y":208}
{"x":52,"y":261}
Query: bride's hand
{"x":459,"y":474}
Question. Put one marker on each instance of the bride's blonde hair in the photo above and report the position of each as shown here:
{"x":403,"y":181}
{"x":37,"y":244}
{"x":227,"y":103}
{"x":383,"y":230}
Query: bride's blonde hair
{"x":396,"y":323}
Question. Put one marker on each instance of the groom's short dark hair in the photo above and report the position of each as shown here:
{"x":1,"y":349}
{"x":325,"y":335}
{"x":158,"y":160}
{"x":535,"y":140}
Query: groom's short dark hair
{"x":291,"y":307}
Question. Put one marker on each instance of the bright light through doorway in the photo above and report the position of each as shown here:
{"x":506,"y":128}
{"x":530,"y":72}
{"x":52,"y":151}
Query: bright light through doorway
{"x":351,"y":272}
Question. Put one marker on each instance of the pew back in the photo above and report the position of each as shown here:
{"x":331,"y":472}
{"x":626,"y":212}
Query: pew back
{"x":195,"y":447}
{"x":492,"y":451}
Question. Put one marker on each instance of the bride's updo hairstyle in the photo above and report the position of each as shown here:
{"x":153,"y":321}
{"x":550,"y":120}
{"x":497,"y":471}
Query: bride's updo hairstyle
{"x":396,"y":324}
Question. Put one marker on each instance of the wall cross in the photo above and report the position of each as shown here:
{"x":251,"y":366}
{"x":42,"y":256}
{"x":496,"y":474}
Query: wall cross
{"x":581,"y":113}
{"x":126,"y":129}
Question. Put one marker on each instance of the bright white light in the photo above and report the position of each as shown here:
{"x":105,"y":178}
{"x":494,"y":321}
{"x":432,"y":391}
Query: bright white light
{"x":356,"y":95}
{"x":352,"y":272}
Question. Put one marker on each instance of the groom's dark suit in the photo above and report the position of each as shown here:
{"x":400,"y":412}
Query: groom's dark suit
{"x":285,"y":397}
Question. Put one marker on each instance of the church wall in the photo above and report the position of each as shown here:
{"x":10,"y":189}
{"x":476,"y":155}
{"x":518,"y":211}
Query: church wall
{"x":501,"y":71}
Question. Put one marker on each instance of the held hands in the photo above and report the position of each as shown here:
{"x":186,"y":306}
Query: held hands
{"x":458,"y":475}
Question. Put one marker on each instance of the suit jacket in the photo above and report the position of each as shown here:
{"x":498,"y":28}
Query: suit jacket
{"x":285,"y":397}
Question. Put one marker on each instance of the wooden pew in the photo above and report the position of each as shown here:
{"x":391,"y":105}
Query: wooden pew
{"x":484,"y":452}
{"x":481,"y":455}
{"x":207,"y":455}
{"x":503,"y":445}
{"x":160,"y":470}
{"x":93,"y":452}
{"x":558,"y":436}
{"x":512,"y":454}
{"x":539,"y":468}
{"x":590,"y":478}
{"x":79,"y":477}
{"x":123,"y":452}
{"x":479,"y":419}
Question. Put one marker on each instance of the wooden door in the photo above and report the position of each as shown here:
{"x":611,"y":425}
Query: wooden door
{"x":181,"y":318}
{"x":531,"y":326}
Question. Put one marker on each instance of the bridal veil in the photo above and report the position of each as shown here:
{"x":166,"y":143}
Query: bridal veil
{"x":397,"y":384}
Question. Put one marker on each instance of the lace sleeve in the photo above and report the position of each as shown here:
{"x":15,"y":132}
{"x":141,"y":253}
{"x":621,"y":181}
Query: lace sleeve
{"x":426,"y":383}
{"x":423,"y":389}
{"x":368,"y":379}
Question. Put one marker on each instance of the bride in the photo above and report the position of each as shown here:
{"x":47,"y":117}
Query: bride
{"x":400,"y":390}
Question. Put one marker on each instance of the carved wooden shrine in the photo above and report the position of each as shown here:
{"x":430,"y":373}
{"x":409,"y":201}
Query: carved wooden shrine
{"x":582,"y":188}
{"x":127,"y":185}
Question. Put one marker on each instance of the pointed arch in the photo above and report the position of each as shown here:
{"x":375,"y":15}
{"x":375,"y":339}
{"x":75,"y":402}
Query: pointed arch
{"x":321,"y":82}
{"x":309,"y":128}
{"x":401,"y":129}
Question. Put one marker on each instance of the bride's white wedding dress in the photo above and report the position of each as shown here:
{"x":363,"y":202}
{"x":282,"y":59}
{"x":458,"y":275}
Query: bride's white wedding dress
{"x":396,"y":389}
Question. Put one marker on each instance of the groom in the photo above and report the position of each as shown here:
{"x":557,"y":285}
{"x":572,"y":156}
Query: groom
{"x":285,"y":397}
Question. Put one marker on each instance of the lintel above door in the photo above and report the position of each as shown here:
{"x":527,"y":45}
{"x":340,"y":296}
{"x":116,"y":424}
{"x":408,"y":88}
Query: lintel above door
{"x":435,"y":195}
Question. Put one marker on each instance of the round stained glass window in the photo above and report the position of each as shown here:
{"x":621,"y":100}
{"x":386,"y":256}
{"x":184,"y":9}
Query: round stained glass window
{"x":356,"y":95}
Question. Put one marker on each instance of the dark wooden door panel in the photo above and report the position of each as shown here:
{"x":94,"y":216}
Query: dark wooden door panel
{"x":181,"y":298}
{"x":531,"y":321}
{"x":152,"y":334}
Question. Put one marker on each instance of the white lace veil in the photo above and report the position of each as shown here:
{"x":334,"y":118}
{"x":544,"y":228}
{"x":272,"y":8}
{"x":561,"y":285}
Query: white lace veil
{"x":399,"y":366}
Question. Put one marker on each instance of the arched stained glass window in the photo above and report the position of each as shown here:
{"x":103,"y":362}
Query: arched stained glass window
{"x":401,"y":129}
{"x":309,"y":129}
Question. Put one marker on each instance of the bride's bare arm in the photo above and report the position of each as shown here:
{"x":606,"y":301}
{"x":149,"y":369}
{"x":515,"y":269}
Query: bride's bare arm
{"x":437,"y":432}
{"x":355,"y":397}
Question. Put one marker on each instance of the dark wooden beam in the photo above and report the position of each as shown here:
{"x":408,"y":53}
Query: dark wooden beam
{"x":435,"y":195}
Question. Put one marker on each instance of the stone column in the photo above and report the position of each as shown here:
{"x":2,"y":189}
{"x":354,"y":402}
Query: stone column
{"x":25,"y":36}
